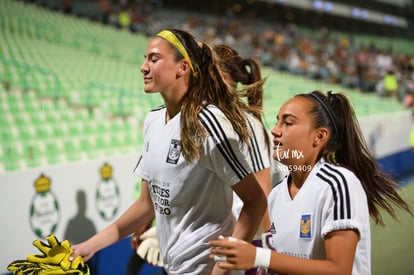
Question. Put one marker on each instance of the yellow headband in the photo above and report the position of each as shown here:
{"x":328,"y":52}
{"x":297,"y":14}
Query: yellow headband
{"x":173,"y":39}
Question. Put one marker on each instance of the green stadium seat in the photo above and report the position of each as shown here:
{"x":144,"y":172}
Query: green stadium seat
{"x":60,"y":130}
{"x":33,"y":154}
{"x":27,"y":133}
{"x":71,"y":149}
{"x":82,"y":54}
{"x":53,"y":152}
{"x":12,"y":156}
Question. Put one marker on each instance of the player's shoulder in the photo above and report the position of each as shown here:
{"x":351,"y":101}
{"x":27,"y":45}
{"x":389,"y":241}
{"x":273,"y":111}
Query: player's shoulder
{"x":210,"y":109}
{"x":326,"y":168}
{"x":211,"y":113}
{"x":254,"y":123}
{"x":155,"y":112}
{"x":154,"y":115}
{"x":336,"y":174}
{"x":215,"y":122}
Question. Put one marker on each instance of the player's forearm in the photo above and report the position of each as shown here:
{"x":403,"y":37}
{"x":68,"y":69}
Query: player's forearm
{"x":284,"y":264}
{"x":264,"y":179}
{"x":250,"y":218}
{"x":114,"y":232}
{"x":138,"y":215}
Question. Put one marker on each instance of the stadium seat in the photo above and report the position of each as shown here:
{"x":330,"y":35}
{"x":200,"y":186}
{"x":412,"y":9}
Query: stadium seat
{"x":53,"y":77}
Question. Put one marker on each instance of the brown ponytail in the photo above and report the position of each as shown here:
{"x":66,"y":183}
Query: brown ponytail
{"x":347,"y":147}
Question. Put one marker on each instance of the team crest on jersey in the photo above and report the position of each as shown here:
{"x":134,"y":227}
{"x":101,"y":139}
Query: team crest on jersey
{"x":305,"y":227}
{"x":174,"y":151}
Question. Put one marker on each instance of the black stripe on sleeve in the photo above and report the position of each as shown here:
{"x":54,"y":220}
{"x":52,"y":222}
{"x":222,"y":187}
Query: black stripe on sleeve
{"x":256,"y":156}
{"x":334,"y":194}
{"x":340,"y":191}
{"x":215,"y":129}
{"x":346,"y":190}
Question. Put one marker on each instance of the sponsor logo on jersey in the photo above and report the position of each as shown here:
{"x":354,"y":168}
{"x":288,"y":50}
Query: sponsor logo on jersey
{"x":305,"y":227}
{"x":160,"y":193}
{"x":174,"y":152}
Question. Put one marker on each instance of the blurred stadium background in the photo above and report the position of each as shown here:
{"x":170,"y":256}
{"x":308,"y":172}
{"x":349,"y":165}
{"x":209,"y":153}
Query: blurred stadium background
{"x":72,"y":98}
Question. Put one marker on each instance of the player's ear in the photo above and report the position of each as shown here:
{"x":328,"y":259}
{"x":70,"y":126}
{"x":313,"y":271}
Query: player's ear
{"x":321,"y":136}
{"x":183,"y":68}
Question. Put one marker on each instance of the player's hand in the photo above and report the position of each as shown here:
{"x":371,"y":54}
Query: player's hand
{"x":230,"y":253}
{"x":149,"y":248}
{"x":219,"y":271}
{"x":135,"y":238}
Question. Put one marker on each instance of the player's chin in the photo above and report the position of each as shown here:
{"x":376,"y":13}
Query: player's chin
{"x":276,"y":155}
{"x":149,"y":90}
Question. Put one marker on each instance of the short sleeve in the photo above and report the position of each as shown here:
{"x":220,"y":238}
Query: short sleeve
{"x":259,"y":154}
{"x":140,"y":168}
{"x":341,"y":211}
{"x":223,"y":152}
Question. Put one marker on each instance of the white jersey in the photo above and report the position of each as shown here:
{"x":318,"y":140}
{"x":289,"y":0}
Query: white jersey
{"x":192,"y":201}
{"x":258,"y":156}
{"x":278,"y":171}
{"x":332,"y":198}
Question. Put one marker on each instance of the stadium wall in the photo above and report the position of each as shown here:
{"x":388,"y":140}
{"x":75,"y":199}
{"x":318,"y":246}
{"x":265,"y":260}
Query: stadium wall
{"x":387,"y":136}
{"x":71,"y":203}
{"x":25,"y":208}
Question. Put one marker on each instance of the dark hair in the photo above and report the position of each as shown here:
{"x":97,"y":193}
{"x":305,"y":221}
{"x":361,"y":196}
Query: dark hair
{"x":206,"y":86}
{"x":347,"y":147}
{"x":231,"y":62}
{"x":242,"y":70}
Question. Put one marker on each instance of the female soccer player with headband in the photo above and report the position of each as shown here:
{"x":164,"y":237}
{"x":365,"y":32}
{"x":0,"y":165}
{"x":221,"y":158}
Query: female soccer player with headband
{"x":193,"y":158}
{"x":320,"y":214}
